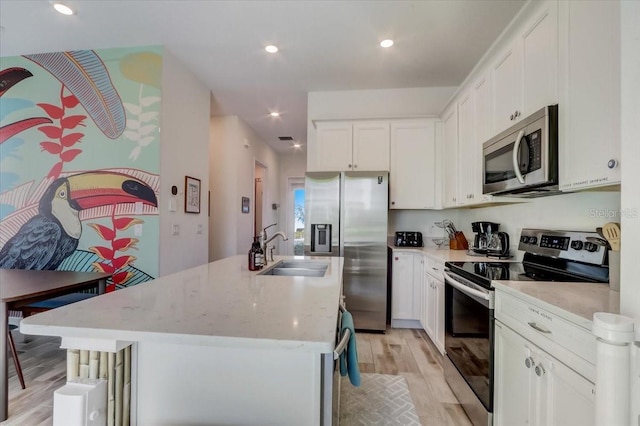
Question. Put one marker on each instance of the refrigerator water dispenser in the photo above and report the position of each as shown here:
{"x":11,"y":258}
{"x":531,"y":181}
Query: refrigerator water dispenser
{"x":321,"y":238}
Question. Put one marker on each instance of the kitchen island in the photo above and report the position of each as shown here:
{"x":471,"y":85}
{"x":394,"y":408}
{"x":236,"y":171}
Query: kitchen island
{"x":214,"y":344}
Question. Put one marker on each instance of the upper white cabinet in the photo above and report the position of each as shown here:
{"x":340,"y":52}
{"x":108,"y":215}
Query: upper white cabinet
{"x":589,"y":107}
{"x":412,"y":182}
{"x":525,"y":74}
{"x":450,"y":156}
{"x":468,"y":149}
{"x":351,"y":146}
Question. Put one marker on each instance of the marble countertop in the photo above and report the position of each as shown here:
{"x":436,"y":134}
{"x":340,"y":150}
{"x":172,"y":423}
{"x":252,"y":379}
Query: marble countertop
{"x":576,"y":302}
{"x":220,"y":303}
{"x":447,"y":255}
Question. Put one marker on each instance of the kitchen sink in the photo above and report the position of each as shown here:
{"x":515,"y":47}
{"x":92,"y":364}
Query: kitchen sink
{"x":297,"y":268}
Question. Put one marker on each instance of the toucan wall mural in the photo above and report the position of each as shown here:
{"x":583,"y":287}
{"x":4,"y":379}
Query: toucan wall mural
{"x":79,"y":162}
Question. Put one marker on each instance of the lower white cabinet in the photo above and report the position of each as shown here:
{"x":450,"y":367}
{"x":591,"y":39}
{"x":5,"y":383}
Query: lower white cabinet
{"x":406,"y":288}
{"x":532,"y":387}
{"x":432,"y":318}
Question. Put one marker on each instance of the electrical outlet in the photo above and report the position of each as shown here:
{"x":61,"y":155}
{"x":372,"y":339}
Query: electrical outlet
{"x":176,"y":229}
{"x":199,"y":229}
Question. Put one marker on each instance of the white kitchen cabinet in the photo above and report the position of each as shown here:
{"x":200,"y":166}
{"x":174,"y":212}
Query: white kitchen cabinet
{"x":589,"y":107}
{"x":525,"y":74}
{"x":352,"y":146}
{"x":412,"y":183}
{"x":467,"y":151}
{"x":531,"y":387}
{"x":406,"y":283}
{"x":433,"y":302}
{"x":450,"y":156}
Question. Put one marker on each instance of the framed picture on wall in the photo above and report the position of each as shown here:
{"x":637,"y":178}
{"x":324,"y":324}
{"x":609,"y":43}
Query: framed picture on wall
{"x":191,"y":195}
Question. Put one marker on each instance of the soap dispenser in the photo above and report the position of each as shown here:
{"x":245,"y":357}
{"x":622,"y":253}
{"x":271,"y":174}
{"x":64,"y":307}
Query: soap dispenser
{"x":255,"y":262}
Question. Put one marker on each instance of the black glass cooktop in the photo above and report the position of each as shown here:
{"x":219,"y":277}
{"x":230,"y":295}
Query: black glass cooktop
{"x":533,"y":268}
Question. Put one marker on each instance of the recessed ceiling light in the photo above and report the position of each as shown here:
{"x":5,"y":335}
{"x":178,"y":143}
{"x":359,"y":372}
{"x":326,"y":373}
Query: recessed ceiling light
{"x":296,"y":145}
{"x":271,"y":48}
{"x":386,"y":43}
{"x":63,"y":8}
{"x":274,"y":114}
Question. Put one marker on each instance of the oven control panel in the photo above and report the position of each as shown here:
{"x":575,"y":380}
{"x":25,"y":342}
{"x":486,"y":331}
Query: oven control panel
{"x":582,"y":246}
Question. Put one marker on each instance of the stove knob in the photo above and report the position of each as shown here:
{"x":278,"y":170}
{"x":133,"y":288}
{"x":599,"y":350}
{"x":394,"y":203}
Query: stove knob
{"x":524,"y":239}
{"x":590,"y":247}
{"x":576,"y":245}
{"x":533,"y":240}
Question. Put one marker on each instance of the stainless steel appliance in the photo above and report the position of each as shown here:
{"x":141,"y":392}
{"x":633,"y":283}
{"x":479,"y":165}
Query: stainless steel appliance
{"x":483,"y":231}
{"x":523,"y":160}
{"x":408,"y":239}
{"x":469,"y":298}
{"x":498,"y":245}
{"x":346,"y":215}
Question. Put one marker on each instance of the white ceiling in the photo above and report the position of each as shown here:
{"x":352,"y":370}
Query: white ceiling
{"x":324,"y":45}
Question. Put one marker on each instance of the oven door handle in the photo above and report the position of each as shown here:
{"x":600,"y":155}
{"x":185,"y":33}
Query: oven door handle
{"x":463,"y":288}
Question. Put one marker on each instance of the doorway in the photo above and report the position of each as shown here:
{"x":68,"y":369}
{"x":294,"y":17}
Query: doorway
{"x":258,"y":197}
{"x":295,"y":216}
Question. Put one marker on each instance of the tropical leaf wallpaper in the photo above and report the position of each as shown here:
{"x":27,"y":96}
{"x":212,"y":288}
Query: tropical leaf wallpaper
{"x":79,"y":162}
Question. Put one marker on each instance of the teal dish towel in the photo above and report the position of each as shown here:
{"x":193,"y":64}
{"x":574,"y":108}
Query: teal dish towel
{"x":349,"y":357}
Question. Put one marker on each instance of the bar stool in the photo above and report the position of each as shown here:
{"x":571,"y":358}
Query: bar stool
{"x":14,"y":354}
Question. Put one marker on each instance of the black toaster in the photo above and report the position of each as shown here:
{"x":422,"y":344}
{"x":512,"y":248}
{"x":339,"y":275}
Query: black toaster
{"x":408,"y":239}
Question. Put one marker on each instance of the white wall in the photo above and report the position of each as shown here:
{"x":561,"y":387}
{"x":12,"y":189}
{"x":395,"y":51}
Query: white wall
{"x":184,"y":132}
{"x":234,"y":150}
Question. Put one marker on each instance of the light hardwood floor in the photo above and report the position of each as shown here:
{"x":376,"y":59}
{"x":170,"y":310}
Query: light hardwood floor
{"x":404,"y":352}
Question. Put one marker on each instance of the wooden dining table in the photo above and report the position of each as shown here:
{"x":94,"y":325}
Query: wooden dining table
{"x":19,"y":287}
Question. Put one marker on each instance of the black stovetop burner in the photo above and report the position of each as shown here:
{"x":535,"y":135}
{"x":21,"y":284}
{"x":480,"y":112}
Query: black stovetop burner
{"x":533,"y":268}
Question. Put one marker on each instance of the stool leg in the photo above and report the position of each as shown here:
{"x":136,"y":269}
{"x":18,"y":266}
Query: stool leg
{"x":16,"y":361}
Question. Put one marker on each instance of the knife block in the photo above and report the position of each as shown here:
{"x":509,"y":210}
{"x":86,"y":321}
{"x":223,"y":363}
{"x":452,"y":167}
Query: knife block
{"x":458,"y":242}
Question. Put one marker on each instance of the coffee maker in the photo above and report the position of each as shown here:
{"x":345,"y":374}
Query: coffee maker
{"x":483,"y":231}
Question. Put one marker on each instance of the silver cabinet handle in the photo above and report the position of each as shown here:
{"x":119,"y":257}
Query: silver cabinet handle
{"x":537,"y":327}
{"x":529,"y":362}
{"x":355,"y":166}
{"x":539,"y":370}
{"x":435,"y":269}
{"x":349,"y":165}
{"x":511,"y":117}
{"x":393,"y":202}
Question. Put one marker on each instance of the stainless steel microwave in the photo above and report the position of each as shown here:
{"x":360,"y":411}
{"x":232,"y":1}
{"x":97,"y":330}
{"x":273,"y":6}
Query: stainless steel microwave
{"x":523,"y":160}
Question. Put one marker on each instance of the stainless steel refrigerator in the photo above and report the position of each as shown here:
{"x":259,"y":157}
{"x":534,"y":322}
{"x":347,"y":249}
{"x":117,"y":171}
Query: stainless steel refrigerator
{"x":346,"y":215}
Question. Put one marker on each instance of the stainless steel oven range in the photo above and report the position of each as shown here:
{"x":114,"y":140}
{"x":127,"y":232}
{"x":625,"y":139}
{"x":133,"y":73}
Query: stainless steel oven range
{"x":469,"y":297}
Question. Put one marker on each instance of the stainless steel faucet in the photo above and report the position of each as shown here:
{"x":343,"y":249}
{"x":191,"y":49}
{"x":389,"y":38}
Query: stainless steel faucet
{"x":264,"y":240}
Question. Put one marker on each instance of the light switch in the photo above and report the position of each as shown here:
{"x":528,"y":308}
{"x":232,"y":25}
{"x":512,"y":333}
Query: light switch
{"x":176,"y":229}
{"x":137,"y":230}
{"x":173,"y":205}
{"x":138,"y":208}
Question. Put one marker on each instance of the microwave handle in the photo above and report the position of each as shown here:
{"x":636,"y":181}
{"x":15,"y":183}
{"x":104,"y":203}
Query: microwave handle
{"x":514,"y":157}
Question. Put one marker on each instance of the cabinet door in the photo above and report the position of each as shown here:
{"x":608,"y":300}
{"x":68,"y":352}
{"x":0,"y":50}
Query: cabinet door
{"x":418,"y":282}
{"x":513,"y":399}
{"x":566,"y":398}
{"x":412,"y":177}
{"x":483,"y":128}
{"x":539,"y":44}
{"x":438,"y":313}
{"x":334,"y":146}
{"x":370,"y":146}
{"x":450,"y":157}
{"x":505,"y":74}
{"x":466,"y":149}
{"x":402,"y":286}
{"x":428,"y":319}
{"x":589,"y":107}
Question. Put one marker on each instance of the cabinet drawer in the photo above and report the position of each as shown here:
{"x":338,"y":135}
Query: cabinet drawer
{"x":434,"y":268}
{"x":545,"y":325}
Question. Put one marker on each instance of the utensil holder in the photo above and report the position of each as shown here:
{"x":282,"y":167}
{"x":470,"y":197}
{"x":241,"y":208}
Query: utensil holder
{"x":614,"y":270}
{"x":458,"y":242}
